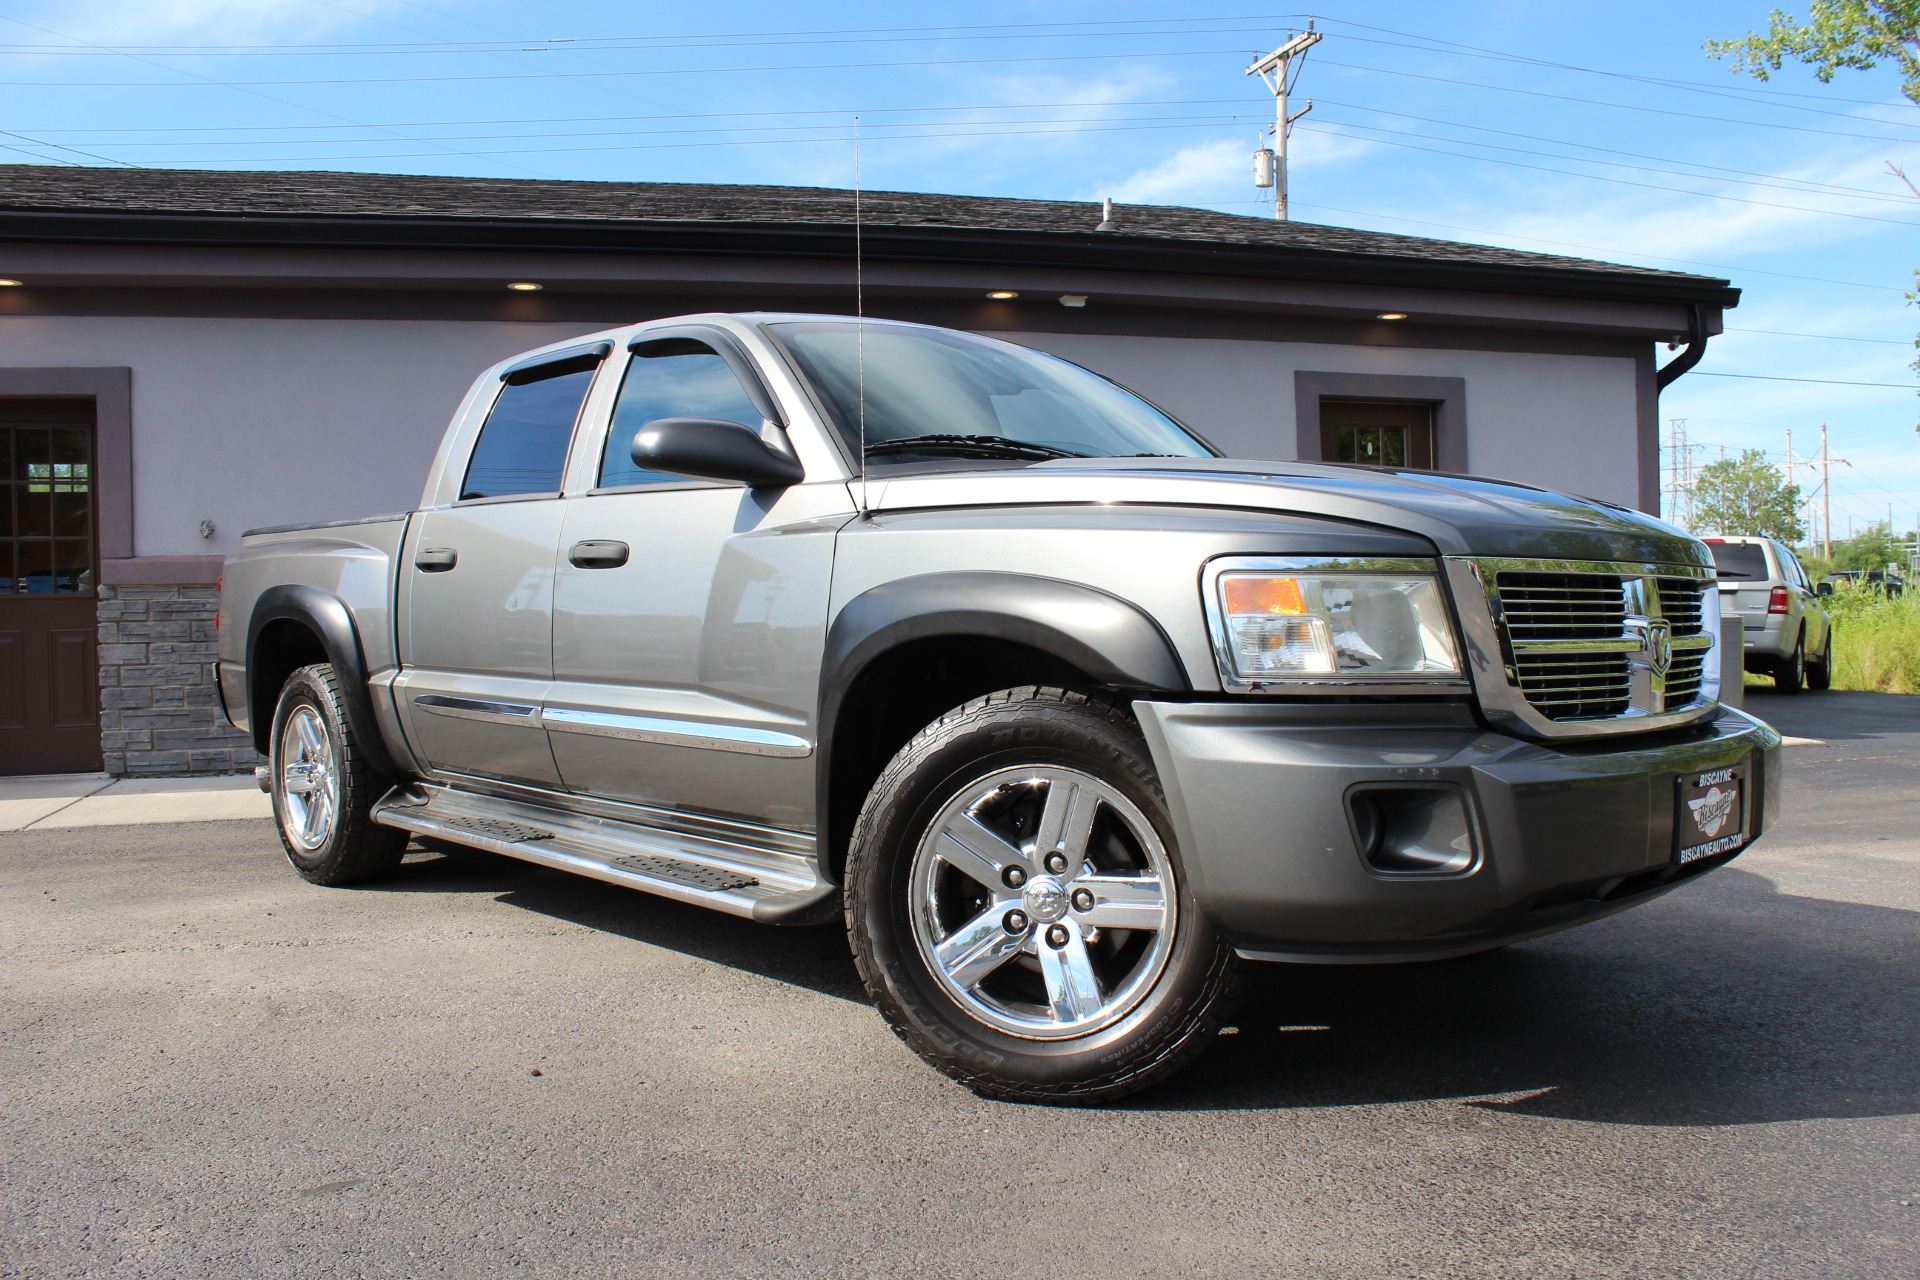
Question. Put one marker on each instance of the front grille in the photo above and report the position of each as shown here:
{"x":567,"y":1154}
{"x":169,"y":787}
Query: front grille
{"x":1562,"y":606}
{"x":1681,"y":600}
{"x":1683,"y":677}
{"x":1684,"y":602}
{"x":1574,"y":686}
{"x":1549,"y":617}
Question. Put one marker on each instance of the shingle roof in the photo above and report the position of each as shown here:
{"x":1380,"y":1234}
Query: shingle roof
{"x":332,"y":195}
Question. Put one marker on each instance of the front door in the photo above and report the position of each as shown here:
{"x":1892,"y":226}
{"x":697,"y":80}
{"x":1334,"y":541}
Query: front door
{"x":49,"y":692}
{"x":689,"y":616}
{"x":477,"y":588}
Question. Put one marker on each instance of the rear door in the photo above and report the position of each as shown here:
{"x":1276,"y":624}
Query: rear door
{"x":476,"y":585}
{"x":689,"y":616}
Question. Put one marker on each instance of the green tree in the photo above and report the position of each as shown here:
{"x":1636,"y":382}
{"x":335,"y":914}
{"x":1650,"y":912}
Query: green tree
{"x":1871,"y":548}
{"x":1746,"y":496}
{"x":1856,"y":35}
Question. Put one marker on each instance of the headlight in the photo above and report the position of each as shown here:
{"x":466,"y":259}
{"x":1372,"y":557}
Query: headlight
{"x":1314,"y":619}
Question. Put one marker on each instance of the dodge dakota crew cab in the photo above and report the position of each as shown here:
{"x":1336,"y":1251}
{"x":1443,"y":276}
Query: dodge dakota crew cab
{"x":1068,"y":717}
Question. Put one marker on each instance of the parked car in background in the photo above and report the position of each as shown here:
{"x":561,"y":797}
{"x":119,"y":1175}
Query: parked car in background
{"x":1876,"y":579}
{"x":1788,"y":634}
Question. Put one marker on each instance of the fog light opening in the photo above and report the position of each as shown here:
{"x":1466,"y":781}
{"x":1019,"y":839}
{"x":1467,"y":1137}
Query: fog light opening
{"x":1412,"y":829}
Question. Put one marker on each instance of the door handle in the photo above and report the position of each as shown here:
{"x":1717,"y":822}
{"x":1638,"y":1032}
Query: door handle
{"x":435,"y":559}
{"x":597,"y":553}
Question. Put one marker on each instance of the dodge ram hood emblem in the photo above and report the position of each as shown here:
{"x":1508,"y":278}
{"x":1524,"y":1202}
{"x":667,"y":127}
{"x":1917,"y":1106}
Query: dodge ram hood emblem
{"x":1656,"y":643}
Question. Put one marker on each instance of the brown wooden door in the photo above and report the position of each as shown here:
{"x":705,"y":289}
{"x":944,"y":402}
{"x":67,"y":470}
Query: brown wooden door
{"x":1379,"y":433}
{"x":49,"y":695}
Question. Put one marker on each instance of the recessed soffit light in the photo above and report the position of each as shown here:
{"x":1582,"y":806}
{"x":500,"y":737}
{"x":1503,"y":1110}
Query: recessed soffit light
{"x":1003,"y":295}
{"x":1391,"y":315}
{"x":8,"y":284}
{"x":525,"y":286}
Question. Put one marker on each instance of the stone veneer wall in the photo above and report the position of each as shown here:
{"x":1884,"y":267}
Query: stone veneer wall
{"x":159,"y":706}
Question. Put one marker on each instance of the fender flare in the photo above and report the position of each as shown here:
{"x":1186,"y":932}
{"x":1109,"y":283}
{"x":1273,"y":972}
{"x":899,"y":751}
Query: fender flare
{"x":328,"y":617}
{"x":1113,"y":640}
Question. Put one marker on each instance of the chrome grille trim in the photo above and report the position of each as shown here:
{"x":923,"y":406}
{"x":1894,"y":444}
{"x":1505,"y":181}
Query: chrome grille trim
{"x":1569,"y":648}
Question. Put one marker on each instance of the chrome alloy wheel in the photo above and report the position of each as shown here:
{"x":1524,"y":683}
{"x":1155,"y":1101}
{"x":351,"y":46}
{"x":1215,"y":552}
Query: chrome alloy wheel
{"x":307,"y":779}
{"x":1042,"y":900}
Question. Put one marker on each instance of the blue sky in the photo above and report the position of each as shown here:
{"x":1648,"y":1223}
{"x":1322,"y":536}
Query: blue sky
{"x":1594,"y":129}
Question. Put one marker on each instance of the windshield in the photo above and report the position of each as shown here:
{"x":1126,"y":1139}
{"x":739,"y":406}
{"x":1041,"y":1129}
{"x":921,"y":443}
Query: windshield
{"x":933,"y":394}
{"x":1740,"y":561}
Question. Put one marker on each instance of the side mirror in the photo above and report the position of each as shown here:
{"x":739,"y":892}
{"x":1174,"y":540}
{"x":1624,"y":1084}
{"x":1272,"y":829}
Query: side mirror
{"x":1824,"y":589}
{"x":713,"y":449}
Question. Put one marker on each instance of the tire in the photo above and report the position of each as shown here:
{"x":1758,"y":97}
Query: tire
{"x":1017,"y":977}
{"x":1789,"y":673}
{"x":1820,"y":674}
{"x":323,"y":791}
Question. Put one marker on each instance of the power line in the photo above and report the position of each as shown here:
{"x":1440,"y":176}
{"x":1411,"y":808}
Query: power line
{"x":1563,"y":244}
{"x":874,"y":32}
{"x":1833,"y":337}
{"x":1618,"y":106}
{"x":1595,"y":177}
{"x":1831,"y":382}
{"x":1763,"y":178}
{"x":252,"y":93}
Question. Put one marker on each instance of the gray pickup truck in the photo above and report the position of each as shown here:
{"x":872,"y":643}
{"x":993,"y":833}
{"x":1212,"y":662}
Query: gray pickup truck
{"x":1068,"y":717}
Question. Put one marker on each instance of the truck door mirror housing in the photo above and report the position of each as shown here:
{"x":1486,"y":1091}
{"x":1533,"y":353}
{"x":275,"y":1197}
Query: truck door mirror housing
{"x":1825,"y":589}
{"x":713,"y":449}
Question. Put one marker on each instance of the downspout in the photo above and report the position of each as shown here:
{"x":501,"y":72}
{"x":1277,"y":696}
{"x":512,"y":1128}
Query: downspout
{"x":1696,"y":347}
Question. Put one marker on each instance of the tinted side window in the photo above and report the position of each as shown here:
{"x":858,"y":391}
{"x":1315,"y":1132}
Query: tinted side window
{"x":671,"y":378}
{"x":523,"y":445}
{"x":1796,"y":572}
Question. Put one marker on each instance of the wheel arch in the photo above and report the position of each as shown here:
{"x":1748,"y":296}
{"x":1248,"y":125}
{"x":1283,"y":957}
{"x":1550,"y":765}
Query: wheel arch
{"x":906,"y":651}
{"x":294,"y":626}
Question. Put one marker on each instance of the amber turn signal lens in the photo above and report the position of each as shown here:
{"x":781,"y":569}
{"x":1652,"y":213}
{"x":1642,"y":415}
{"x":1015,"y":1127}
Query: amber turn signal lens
{"x":1264,"y":595}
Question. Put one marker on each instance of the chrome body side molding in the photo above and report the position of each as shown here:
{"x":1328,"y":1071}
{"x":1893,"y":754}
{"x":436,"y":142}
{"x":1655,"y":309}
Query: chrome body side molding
{"x":676,"y":733}
{"x":478,"y":709}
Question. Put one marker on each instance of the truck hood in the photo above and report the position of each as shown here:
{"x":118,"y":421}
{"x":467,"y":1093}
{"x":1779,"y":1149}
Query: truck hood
{"x":1460,"y":515}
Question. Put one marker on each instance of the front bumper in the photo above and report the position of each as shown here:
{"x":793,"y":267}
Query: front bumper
{"x":1564,"y":833}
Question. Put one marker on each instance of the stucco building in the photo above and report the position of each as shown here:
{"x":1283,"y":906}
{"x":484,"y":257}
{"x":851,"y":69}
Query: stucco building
{"x":188,"y":354}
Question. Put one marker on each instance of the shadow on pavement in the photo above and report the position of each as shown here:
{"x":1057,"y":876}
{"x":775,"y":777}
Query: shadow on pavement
{"x":815,"y":958}
{"x":1725,"y":1003}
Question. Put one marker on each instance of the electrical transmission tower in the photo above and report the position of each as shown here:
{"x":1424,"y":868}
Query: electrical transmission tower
{"x":1677,"y":492}
{"x":1281,"y":71}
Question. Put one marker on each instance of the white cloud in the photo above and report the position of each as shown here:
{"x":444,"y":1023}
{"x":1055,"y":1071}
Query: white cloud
{"x":1192,"y":175}
{"x":132,"y":22}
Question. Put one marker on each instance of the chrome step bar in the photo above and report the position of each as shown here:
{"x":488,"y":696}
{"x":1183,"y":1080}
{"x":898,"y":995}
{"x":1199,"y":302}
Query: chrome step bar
{"x":769,"y":885}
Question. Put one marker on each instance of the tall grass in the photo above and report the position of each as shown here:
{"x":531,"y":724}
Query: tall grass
{"x":1876,"y":640}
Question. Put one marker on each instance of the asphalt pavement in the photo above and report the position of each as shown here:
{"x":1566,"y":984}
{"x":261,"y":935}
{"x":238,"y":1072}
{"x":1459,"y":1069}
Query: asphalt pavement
{"x":482,"y":1068}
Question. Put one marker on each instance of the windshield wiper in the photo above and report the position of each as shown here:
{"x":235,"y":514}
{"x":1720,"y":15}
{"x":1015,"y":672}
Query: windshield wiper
{"x":970,"y":447}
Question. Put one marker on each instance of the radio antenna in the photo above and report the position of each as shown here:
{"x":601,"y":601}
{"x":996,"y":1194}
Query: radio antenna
{"x":860,"y":314}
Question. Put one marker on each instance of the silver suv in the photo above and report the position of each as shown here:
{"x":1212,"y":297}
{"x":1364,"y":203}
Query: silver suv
{"x":1788,"y":634}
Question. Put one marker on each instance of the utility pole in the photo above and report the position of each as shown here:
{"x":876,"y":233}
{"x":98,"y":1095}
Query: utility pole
{"x":1826,"y":494}
{"x":1281,"y":71}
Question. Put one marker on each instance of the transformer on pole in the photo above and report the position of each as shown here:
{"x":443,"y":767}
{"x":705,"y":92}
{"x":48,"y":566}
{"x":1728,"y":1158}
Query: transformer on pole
{"x":1281,"y":69}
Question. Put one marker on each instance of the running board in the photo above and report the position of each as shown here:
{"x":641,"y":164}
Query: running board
{"x":770,"y":886}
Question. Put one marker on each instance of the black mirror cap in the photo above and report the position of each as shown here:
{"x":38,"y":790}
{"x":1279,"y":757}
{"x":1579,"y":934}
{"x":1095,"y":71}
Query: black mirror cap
{"x":713,"y":449}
